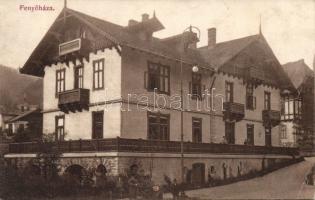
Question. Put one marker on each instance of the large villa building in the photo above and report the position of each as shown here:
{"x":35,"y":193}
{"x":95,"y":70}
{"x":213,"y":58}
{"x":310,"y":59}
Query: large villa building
{"x":112,"y":97}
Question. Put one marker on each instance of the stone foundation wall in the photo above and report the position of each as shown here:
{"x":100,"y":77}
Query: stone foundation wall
{"x":156,"y":165}
{"x":213,"y":167}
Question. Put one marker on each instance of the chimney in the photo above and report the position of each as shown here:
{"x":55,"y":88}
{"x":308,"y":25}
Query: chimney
{"x":132,"y":22}
{"x":145,"y":17}
{"x":212,"y":37}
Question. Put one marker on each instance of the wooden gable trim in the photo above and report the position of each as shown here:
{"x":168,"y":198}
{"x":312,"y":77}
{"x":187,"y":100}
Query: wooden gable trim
{"x":91,"y":25}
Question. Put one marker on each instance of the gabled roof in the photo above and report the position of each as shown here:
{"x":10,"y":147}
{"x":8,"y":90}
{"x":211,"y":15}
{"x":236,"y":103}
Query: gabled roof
{"x":223,"y":52}
{"x":298,"y":72}
{"x":220,"y":54}
{"x":123,"y":37}
{"x":22,"y":116}
{"x":117,"y":34}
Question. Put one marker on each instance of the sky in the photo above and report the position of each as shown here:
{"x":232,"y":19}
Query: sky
{"x":287,"y":25}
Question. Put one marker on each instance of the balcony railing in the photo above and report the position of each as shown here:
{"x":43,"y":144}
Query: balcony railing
{"x":271,"y":117}
{"x":233,"y":111}
{"x":146,"y":146}
{"x":72,"y":100}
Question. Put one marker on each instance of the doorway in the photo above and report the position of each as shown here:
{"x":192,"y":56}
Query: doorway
{"x":198,"y":174}
{"x":97,"y":124}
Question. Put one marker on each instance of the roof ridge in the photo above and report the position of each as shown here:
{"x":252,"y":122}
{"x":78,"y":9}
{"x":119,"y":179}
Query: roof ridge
{"x":100,"y":19}
{"x":233,"y":40}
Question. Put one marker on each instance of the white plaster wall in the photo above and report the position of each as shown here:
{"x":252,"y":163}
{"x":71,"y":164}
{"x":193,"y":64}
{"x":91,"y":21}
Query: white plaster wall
{"x":79,"y":125}
{"x":112,"y":79}
{"x":135,"y":125}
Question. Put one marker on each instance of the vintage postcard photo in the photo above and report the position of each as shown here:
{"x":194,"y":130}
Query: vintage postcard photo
{"x":157,"y":99}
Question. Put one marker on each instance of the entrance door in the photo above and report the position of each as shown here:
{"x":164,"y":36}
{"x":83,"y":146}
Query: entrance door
{"x":97,"y":124}
{"x":230,"y":132}
{"x":198,"y":174}
{"x":250,"y":134}
{"x":268,"y":136}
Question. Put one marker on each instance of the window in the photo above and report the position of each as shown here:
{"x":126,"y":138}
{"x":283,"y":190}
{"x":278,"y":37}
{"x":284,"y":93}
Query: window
{"x":158,"y":126}
{"x":78,"y":77}
{"x":98,"y":74}
{"x":291,"y":108}
{"x":283,"y":132}
{"x":250,"y":134}
{"x":267,"y":104}
{"x":60,"y":81}
{"x":230,"y":132}
{"x":195,"y":86}
{"x":229,"y":91}
{"x":158,"y":78}
{"x":250,"y":99}
{"x":196,"y":130}
{"x":60,"y":128}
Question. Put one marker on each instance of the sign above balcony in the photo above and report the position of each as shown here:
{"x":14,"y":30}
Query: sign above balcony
{"x":69,"y":47}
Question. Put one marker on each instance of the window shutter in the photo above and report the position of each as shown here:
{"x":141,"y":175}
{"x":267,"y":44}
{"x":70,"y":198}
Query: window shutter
{"x":254,"y":99}
{"x":203,"y":94}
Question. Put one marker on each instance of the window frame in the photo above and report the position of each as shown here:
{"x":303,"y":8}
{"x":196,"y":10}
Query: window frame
{"x":57,"y":127}
{"x":196,"y":80}
{"x":291,"y":108}
{"x":158,"y":123}
{"x":267,"y":100}
{"x":250,"y":98}
{"x":60,"y":81}
{"x":199,"y":120}
{"x":98,"y":72}
{"x":77,"y":77}
{"x":165,"y":76}
{"x":229,"y":91}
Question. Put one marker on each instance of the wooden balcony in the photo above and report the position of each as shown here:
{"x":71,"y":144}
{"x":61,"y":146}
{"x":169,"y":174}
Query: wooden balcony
{"x":146,"y":146}
{"x":233,"y":111}
{"x":271,"y":118}
{"x":74,"y":100}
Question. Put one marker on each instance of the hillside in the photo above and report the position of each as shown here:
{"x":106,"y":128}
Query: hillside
{"x":13,"y":87}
